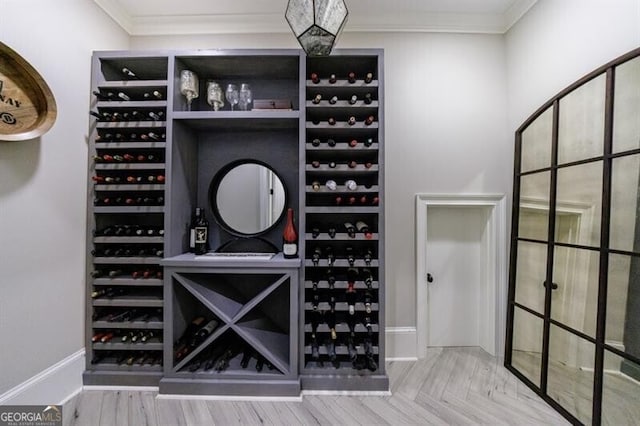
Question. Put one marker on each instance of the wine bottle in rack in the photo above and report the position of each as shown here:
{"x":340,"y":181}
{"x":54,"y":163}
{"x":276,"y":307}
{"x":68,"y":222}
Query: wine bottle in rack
{"x":351,"y":121}
{"x":351,"y":230}
{"x":363,"y":228}
{"x":368,"y":142}
{"x":333,"y":79}
{"x":315,"y":142}
{"x":290,"y":237}
{"x":350,"y":255}
{"x":369,"y":120}
{"x":368,"y":78}
{"x":331,"y":185}
{"x":353,"y":99}
{"x":367,"y":277}
{"x":368,"y":98}
{"x":316,"y":256}
{"x":153,"y":95}
{"x":128,"y":73}
{"x":331,"y":230}
{"x":352,"y":275}
{"x":315,"y":230}
{"x":315,"y":78}
{"x":351,"y":185}
{"x":316,"y":99}
{"x":333,"y":100}
{"x":123,"y":96}
{"x":368,"y":257}
{"x":331,"y":121}
{"x":315,"y":349}
{"x":351,"y":77}
{"x":352,"y":164}
{"x":315,"y":164}
{"x":331,"y":258}
{"x":353,"y":143}
{"x":331,"y":142}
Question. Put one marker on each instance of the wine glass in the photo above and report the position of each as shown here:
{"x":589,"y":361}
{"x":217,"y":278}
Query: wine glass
{"x":189,"y":86}
{"x":244,"y":96}
{"x":215,"y":98}
{"x":232,"y":95}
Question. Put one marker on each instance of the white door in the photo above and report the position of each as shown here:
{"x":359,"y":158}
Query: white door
{"x":454,"y":259}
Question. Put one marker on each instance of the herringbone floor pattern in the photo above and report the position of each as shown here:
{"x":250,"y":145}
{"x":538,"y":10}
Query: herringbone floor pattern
{"x":451,"y":386}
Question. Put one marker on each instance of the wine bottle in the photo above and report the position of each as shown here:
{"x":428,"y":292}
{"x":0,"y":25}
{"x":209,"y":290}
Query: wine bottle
{"x":315,"y":231}
{"x":351,"y":257}
{"x":246,"y":357}
{"x":368,"y":98}
{"x":155,"y":94}
{"x":331,"y":230}
{"x":331,"y":185}
{"x":351,"y":77}
{"x":352,"y":164}
{"x":97,"y":336}
{"x":367,"y":301}
{"x":369,"y":120}
{"x":332,"y":164}
{"x":351,"y":297}
{"x":331,"y":121}
{"x":353,"y":143}
{"x":315,"y":78}
{"x":157,"y":116}
{"x":333,"y":100}
{"x":316,"y":256}
{"x":351,"y":185}
{"x":290,"y":237}
{"x":351,"y":230}
{"x":204,"y":332}
{"x":331,"y":142}
{"x":353,"y":99}
{"x":317,"y":98}
{"x":315,"y":164}
{"x":315,"y":185}
{"x":351,"y":121}
{"x":201,"y":234}
{"x":331,"y":258}
{"x":362,"y":227}
{"x":368,"y":78}
{"x":368,"y":257}
{"x":315,"y":142}
{"x":128,"y":73}
{"x":333,"y":79}
{"x":123,"y":96}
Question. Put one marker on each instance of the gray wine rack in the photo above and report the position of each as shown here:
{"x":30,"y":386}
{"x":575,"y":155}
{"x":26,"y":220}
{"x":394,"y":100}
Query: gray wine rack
{"x":265,"y":305}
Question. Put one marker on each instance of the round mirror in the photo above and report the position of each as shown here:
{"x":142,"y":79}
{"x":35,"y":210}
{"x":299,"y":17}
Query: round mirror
{"x":247,"y":198}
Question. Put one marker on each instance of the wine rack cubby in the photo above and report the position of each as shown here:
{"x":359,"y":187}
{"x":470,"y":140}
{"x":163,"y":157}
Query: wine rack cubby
{"x":343,"y":266}
{"x":257,"y":327}
{"x":126,"y":198}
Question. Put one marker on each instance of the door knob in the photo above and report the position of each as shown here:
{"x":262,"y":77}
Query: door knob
{"x":429,"y":278}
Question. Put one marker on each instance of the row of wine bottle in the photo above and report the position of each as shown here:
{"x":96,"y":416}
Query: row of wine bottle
{"x":107,"y":292}
{"x":134,"y":115}
{"x":352,"y":275}
{"x":128,"y":200}
{"x":122,"y":230}
{"x":108,"y":95}
{"x":343,"y":200}
{"x":351,"y":121}
{"x":352,"y":100}
{"x":126,"y":315}
{"x":128,"y":250}
{"x":196,"y":332}
{"x":351,"y":296}
{"x":352,"y":164}
{"x":146,"y":273}
{"x":348,"y":253}
{"x":218,"y":357}
{"x":332,"y":142}
{"x":127,"y":357}
{"x":351,"y":230}
{"x":126,"y":336}
{"x":351,"y":77}
{"x":128,"y":157}
{"x":332,"y":185}
{"x":129,"y":179}
{"x":149,"y":136}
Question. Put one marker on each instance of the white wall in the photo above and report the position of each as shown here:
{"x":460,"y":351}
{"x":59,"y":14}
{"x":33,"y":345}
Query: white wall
{"x":559,"y":41}
{"x":445,"y":106}
{"x":43,"y":189}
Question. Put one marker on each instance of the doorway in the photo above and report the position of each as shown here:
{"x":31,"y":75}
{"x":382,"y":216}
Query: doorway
{"x":460,"y":271}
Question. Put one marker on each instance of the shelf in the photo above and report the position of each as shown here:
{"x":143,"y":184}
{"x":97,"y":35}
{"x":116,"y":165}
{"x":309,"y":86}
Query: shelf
{"x":341,"y":285}
{"x":129,"y":187}
{"x":143,"y":325}
{"x":191,"y":260}
{"x":360,"y":168}
{"x":123,"y":84}
{"x":323,"y":236}
{"x":154,"y":344}
{"x":341,"y":328}
{"x":130,"y":166}
{"x":127,"y":260}
{"x":341,"y":146}
{"x":129,"y":145}
{"x":234,"y":370}
{"x":340,"y":350}
{"x":324,"y":83}
{"x":341,"y":263}
{"x":142,"y":282}
{"x":129,"y":124}
{"x":121,"y":104}
{"x":340,"y":307}
{"x":128,"y":209}
{"x":342,"y":106}
{"x":133,"y":301}
{"x":208,"y":120}
{"x":131,"y":240}
{"x":343,"y":209}
{"x":342,"y":189}
{"x":342,"y":125}
{"x":112,"y":366}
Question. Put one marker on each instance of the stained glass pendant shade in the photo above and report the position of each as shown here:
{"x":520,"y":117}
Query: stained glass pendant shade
{"x":317,"y":23}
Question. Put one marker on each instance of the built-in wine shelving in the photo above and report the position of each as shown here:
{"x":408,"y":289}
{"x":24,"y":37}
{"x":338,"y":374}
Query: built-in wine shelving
{"x":128,"y":122}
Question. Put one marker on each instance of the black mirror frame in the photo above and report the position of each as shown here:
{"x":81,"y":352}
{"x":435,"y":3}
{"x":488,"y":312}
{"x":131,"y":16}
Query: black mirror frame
{"x":213,"y":191}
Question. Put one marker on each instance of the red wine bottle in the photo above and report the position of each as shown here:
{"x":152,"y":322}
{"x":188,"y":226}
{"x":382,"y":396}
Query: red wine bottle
{"x":201,"y":233}
{"x":315,"y":78}
{"x":290,"y":237}
{"x":351,"y":77}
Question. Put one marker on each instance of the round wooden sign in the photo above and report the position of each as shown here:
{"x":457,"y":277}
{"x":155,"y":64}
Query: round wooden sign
{"x":27,"y":106}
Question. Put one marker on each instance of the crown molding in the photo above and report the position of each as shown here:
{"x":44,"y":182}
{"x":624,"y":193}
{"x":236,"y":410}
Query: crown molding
{"x":260,"y":23}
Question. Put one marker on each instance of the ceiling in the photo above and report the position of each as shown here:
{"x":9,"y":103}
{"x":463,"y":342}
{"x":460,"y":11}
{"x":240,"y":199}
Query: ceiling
{"x":165,"y":17}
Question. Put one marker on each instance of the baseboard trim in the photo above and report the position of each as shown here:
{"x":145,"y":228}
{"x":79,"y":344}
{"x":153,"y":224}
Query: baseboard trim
{"x":54,"y":385}
{"x":401,"y":344}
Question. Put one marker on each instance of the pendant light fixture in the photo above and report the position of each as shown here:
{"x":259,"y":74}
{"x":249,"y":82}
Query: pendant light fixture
{"x":317,"y":23}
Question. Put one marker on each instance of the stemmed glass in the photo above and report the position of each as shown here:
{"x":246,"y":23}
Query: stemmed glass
{"x":215,"y":98}
{"x":232,"y":95}
{"x":189,"y":86}
{"x":244,"y":96}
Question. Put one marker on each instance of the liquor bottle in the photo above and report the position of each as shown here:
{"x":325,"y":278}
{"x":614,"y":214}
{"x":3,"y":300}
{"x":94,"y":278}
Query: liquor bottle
{"x":331,"y":185}
{"x":361,"y":226}
{"x":315,"y":78}
{"x":351,"y":230}
{"x":316,"y":99}
{"x":290,"y":237}
{"x":201,"y":234}
{"x":369,"y":120}
{"x":333,"y":100}
{"x":368,"y":78}
{"x":333,"y":79}
{"x":351,"y":121}
{"x":315,"y":142}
